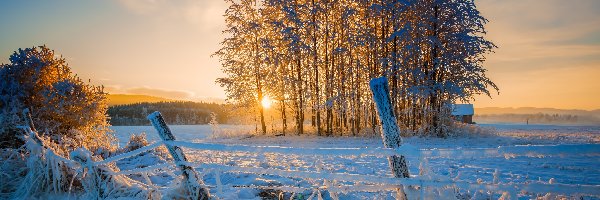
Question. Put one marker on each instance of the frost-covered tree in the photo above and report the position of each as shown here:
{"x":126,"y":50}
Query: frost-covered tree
{"x":317,"y":57}
{"x":63,"y":107}
{"x":242,"y":57}
{"x":445,"y":48}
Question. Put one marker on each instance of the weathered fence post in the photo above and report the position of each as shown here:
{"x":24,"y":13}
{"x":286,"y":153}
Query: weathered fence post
{"x":390,"y":132}
{"x":192,"y":180}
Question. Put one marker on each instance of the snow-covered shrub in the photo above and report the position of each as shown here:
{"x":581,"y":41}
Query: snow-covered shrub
{"x":231,"y":133}
{"x":44,"y":172}
{"x":70,"y":111}
{"x":214,"y":124}
{"x":100,"y":182}
{"x":458,"y":129}
{"x":136,"y":142}
{"x":11,"y":168}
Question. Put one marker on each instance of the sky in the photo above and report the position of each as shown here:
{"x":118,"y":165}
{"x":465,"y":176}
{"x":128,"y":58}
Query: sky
{"x":548,"y":55}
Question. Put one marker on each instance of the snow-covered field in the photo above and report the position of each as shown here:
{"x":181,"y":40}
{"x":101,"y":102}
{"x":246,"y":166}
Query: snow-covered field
{"x":515,"y":156}
{"x":181,"y":132}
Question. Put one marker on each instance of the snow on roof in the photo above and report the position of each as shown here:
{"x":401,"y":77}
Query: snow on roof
{"x":463,"y":109}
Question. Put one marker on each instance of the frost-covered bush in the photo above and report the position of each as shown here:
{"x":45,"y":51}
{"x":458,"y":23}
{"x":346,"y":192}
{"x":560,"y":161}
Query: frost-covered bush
{"x":136,"y":142}
{"x":43,"y":172}
{"x":232,"y":133}
{"x":71,"y":112}
{"x":100,"y":182}
{"x":214,"y":124}
{"x":458,"y":129}
{"x":11,"y":168}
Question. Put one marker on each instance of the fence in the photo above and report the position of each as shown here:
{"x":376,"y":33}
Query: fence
{"x":378,"y":183}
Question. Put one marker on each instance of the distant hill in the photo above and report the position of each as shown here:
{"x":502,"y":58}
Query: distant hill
{"x":533,"y":110}
{"x":122,"y":99}
{"x":536,"y":115}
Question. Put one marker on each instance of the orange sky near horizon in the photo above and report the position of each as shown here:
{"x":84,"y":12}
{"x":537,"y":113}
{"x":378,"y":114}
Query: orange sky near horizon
{"x":548,"y":55}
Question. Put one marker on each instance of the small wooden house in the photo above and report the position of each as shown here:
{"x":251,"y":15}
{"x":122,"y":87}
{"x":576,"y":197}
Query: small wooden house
{"x":463,"y":113}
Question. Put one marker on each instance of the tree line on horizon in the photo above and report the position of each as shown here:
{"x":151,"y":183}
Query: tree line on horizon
{"x":316,"y":57}
{"x":175,"y":113}
{"x":538,"y":118}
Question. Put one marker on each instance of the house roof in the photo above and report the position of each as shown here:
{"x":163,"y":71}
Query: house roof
{"x":463,"y":109}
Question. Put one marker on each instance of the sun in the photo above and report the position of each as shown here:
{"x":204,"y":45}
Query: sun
{"x":266,"y":102}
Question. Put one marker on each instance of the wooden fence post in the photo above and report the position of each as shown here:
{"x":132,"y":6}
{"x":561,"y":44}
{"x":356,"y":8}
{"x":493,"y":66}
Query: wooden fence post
{"x":192,"y":180}
{"x":390,"y":132}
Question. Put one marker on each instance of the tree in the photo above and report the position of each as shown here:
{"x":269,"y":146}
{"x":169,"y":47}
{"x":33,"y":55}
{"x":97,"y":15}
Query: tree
{"x":322,"y":54}
{"x":241,"y":57}
{"x":63,"y":107}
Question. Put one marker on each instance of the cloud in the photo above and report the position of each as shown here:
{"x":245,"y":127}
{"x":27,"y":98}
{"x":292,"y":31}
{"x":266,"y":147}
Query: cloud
{"x":548,"y":55}
{"x":113,"y":89}
{"x":165,"y":93}
{"x":528,"y":30}
{"x":142,"y":6}
{"x":206,"y":13}
{"x":157,"y":92}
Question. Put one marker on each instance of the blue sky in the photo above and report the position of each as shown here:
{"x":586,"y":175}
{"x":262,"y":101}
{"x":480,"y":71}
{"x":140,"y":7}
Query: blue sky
{"x":549,"y":53}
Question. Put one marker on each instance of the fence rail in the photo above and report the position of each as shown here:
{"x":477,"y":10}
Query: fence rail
{"x":409,"y":150}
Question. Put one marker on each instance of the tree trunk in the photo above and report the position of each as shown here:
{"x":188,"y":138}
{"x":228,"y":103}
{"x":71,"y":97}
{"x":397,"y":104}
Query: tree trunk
{"x":261,"y":111}
{"x":283,"y":117}
{"x":316,"y":68}
{"x":259,"y":88}
{"x":300,"y":117}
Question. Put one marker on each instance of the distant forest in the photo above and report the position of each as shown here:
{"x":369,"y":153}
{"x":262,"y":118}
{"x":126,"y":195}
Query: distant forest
{"x":176,"y":113}
{"x":539,"y":118}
